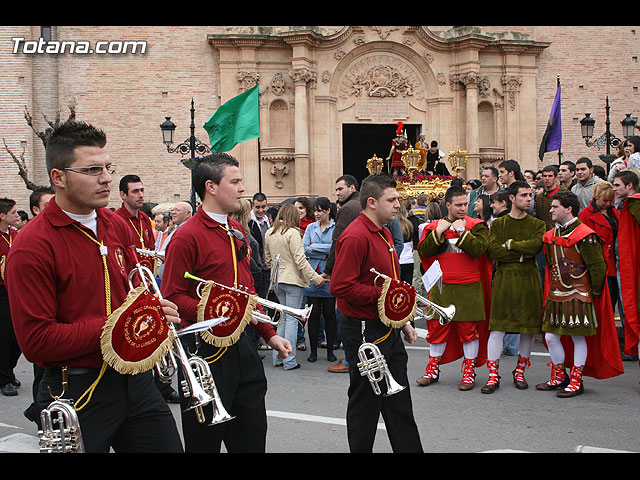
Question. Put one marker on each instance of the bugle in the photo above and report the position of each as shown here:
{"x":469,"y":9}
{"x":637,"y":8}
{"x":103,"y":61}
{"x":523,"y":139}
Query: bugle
{"x":374,"y":366}
{"x":300,"y":314}
{"x":198,"y":380}
{"x":60,"y":429}
{"x":446,"y":313}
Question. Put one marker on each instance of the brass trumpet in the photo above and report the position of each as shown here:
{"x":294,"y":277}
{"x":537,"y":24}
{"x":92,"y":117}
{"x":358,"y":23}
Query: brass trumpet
{"x":151,"y":253}
{"x":300,"y":314}
{"x":446,"y":313}
{"x":374,"y":366}
{"x":195,"y":388}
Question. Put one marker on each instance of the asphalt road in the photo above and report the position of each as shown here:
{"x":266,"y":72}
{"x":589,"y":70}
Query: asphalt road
{"x":306,"y":409}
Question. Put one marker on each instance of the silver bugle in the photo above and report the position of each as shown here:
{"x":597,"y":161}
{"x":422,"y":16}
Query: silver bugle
{"x":300,"y":314}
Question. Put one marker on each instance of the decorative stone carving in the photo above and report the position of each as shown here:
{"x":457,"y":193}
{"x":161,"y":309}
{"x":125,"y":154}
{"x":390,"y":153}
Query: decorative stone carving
{"x":512,"y":84}
{"x":484,"y":87}
{"x":384,"y":32}
{"x":326,"y":76}
{"x":442,"y":80}
{"x":302,"y":75}
{"x":428,"y":57}
{"x":381,"y":76}
{"x":277,"y":84}
{"x":279,"y":169}
{"x":247,"y":80}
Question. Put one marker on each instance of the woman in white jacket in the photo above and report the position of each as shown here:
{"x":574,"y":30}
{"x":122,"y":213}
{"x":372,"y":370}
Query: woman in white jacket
{"x":294,"y":273}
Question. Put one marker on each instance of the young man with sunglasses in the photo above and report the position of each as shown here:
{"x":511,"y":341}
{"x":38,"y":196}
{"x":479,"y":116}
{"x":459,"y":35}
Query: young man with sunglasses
{"x":67,"y":272}
{"x":212,"y":246}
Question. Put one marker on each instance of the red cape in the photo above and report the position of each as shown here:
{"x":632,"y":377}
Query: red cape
{"x":629,"y":240}
{"x":454,"y":350}
{"x":603,"y":349}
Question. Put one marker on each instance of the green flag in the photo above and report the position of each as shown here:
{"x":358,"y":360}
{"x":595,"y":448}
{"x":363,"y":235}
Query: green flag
{"x":234,"y":122}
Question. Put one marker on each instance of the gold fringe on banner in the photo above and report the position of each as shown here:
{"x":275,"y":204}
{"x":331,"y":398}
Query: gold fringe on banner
{"x":136,"y":336}
{"x":218,"y":301}
{"x":398,"y":302}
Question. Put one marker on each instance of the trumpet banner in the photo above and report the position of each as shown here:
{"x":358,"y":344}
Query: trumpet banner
{"x":136,"y":335}
{"x":397,"y":303}
{"x":148,"y":261}
{"x":218,"y":301}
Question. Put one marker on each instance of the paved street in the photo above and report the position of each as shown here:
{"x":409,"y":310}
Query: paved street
{"x":306,"y":410}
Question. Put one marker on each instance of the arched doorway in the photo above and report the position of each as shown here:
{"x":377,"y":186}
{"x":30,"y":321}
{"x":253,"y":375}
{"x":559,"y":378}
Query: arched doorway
{"x":361,"y":141}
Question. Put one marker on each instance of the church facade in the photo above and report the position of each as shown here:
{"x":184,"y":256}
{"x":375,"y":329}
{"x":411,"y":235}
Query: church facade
{"x":330,"y":97}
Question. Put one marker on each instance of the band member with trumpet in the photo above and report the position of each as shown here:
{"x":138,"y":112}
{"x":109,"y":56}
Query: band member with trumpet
{"x":516,"y":293}
{"x":213,"y":246}
{"x":459,"y":243}
{"x":364,"y":245}
{"x":68,"y":271}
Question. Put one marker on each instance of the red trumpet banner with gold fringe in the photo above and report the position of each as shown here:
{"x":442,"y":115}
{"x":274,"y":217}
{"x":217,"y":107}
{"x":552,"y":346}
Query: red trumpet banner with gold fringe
{"x":136,"y":335}
{"x":397,"y":303}
{"x":219,"y":301}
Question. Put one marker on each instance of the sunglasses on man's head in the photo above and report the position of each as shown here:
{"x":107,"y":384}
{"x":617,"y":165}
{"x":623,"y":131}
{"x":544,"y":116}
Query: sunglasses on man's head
{"x":244,"y":248}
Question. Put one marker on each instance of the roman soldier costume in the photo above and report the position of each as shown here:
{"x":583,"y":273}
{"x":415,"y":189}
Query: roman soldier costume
{"x":577,"y":304}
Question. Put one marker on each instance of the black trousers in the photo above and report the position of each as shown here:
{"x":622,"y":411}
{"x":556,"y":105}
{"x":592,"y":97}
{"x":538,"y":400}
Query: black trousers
{"x":126,"y":412}
{"x":9,"y":349}
{"x":242,"y":385}
{"x":364,"y":406}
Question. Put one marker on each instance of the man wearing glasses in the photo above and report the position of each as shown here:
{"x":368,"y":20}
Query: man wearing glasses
{"x":212,"y":246}
{"x":67,"y":272}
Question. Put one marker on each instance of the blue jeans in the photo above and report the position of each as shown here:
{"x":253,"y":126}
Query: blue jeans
{"x":290,"y":296}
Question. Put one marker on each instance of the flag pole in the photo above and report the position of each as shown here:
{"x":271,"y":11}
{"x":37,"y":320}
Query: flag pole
{"x":259,"y":156}
{"x":560,"y":149}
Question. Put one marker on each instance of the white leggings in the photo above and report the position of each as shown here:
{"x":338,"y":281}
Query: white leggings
{"x":470,"y":349}
{"x":557,"y":351}
{"x":496,"y":339}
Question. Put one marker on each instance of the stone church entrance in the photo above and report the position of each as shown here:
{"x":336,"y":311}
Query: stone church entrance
{"x":361,"y":141}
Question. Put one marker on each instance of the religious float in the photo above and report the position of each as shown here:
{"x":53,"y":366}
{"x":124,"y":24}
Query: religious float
{"x":416,"y":181}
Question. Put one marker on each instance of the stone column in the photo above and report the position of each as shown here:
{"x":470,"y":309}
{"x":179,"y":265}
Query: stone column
{"x":470,"y":81}
{"x":301,"y":78}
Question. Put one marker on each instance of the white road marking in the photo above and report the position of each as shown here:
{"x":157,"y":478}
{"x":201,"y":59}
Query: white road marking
{"x":313,"y":418}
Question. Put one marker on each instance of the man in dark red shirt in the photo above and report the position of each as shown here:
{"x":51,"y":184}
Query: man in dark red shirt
{"x":205,"y":246}
{"x":67,"y":272}
{"x":9,"y":349}
{"x":366,"y":243}
{"x":132,"y":195}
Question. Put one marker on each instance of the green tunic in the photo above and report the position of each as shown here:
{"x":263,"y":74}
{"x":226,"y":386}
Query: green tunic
{"x":516,"y":291}
{"x":468,"y":298}
{"x":556,"y":318}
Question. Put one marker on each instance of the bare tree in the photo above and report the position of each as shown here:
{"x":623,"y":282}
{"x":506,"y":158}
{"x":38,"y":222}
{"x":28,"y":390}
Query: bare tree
{"x":23,"y":169}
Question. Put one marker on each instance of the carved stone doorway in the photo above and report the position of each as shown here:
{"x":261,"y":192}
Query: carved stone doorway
{"x":361,"y":141}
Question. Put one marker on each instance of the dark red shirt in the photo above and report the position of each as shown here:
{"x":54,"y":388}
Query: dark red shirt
{"x":141,"y":227}
{"x":56,"y":285}
{"x":201,"y":247}
{"x":5,"y":244}
{"x":359,"y":248}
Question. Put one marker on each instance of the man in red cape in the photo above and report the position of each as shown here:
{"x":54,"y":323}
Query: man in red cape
{"x":466,"y":267}
{"x":625,"y":184}
{"x":598,"y":355}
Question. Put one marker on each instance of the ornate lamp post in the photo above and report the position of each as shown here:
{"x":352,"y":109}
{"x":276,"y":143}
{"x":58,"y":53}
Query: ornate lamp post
{"x":607,"y":139}
{"x":191,"y":146}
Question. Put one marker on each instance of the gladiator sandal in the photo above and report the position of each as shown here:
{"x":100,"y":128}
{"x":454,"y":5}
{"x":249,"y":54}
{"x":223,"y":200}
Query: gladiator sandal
{"x":494,"y":379}
{"x":431,"y":373}
{"x":468,"y":374}
{"x":518,"y":373}
{"x":559,"y":378}
{"x":575,"y":386}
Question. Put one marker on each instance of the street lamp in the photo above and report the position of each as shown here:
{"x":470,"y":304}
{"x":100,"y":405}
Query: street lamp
{"x":628,"y":126}
{"x":607,"y":139}
{"x":191,"y":146}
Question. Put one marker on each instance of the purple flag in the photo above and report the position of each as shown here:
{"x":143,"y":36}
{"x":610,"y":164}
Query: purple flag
{"x":552,"y":139}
